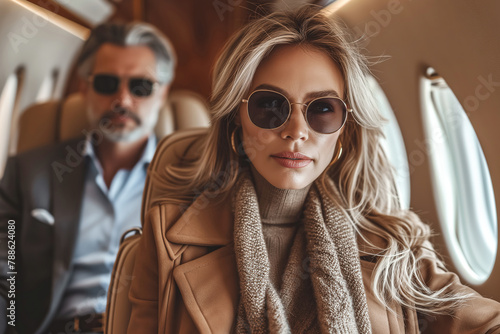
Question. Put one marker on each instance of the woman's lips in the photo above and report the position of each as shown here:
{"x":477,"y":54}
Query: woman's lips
{"x":292,"y":159}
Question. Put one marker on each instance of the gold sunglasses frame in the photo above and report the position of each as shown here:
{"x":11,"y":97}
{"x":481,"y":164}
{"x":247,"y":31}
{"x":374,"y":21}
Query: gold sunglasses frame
{"x":303,"y":110}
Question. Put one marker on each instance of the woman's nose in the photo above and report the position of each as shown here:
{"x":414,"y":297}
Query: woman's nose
{"x":296,"y":127}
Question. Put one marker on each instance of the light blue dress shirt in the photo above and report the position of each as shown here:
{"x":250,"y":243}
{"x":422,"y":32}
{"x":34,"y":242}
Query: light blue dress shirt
{"x":105,"y":215}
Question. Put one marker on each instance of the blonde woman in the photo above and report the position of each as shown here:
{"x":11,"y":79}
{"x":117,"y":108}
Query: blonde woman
{"x":289,"y":220}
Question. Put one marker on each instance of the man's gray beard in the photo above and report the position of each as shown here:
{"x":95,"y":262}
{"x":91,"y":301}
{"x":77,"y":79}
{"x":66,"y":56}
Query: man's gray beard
{"x":146,"y":128}
{"x":125,"y":137}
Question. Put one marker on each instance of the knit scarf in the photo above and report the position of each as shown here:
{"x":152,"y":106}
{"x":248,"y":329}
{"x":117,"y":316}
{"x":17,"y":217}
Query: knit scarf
{"x":322,"y":289}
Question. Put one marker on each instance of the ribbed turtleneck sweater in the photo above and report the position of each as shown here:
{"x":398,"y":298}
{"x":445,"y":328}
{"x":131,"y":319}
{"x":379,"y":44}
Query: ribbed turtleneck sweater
{"x":280,"y":213}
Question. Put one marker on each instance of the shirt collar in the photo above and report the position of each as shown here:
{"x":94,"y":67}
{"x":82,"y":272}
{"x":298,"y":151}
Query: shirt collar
{"x":146,"y":157}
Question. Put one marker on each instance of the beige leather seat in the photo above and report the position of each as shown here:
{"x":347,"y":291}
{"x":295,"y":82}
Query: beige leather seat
{"x":67,"y":119}
{"x":171,"y":149}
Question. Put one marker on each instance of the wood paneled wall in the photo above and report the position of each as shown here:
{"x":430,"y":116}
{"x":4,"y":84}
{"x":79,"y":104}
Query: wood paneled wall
{"x":198,"y":30}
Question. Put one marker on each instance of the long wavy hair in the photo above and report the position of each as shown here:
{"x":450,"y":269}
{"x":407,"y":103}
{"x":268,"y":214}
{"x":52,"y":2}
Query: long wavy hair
{"x":363,"y":175}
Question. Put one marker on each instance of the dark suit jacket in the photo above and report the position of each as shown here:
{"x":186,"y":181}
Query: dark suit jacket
{"x":49,"y":178}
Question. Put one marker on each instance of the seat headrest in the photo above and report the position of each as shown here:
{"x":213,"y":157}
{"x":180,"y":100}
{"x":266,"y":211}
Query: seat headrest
{"x":183,"y":110}
{"x":73,"y":118}
{"x":50,"y":122}
{"x":38,"y":126}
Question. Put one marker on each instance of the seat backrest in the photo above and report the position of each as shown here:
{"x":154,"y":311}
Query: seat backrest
{"x":171,"y":149}
{"x":118,"y":307}
{"x":50,"y":122}
{"x":184,"y":144}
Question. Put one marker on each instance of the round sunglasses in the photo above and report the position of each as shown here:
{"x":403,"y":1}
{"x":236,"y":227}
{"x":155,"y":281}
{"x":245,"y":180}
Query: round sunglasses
{"x":108,"y":84}
{"x":268,"y":109}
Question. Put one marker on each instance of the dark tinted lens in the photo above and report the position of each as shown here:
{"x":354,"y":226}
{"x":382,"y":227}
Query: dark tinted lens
{"x":268,"y":110}
{"x":141,"y":86}
{"x":326,"y":115}
{"x":106,"y":84}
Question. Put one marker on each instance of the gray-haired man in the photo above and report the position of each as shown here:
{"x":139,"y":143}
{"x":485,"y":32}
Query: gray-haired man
{"x":68,"y":220}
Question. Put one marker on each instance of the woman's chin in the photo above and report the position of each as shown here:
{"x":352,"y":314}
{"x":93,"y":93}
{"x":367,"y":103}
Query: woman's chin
{"x":289,"y":182}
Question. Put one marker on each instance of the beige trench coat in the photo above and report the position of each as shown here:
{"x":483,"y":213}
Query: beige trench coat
{"x":186,"y":281}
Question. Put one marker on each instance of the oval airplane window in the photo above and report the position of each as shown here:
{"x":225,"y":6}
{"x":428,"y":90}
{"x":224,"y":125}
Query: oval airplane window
{"x":461,"y":181}
{"x":393,"y":144}
{"x":7,"y":102}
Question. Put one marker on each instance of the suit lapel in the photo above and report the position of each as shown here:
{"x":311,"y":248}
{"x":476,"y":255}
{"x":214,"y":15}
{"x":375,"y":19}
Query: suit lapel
{"x":209,"y":284}
{"x":67,"y":194}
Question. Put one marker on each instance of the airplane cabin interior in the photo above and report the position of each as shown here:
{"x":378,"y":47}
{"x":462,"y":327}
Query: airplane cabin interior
{"x":435,"y":76}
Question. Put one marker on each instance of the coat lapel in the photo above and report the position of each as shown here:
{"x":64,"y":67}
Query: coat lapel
{"x":210,"y":289}
{"x":209,"y":284}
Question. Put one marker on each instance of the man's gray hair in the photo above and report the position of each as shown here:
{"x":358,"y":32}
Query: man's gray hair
{"x":131,"y":34}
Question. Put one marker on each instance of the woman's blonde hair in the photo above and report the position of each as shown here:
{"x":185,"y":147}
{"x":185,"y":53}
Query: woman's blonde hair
{"x":363,"y":175}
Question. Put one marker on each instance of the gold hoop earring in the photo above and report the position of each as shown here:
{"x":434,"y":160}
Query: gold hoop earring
{"x":339,"y":150}
{"x":233,"y":145}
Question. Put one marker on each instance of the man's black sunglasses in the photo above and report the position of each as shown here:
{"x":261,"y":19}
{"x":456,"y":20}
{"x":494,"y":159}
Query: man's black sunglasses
{"x":108,"y":84}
